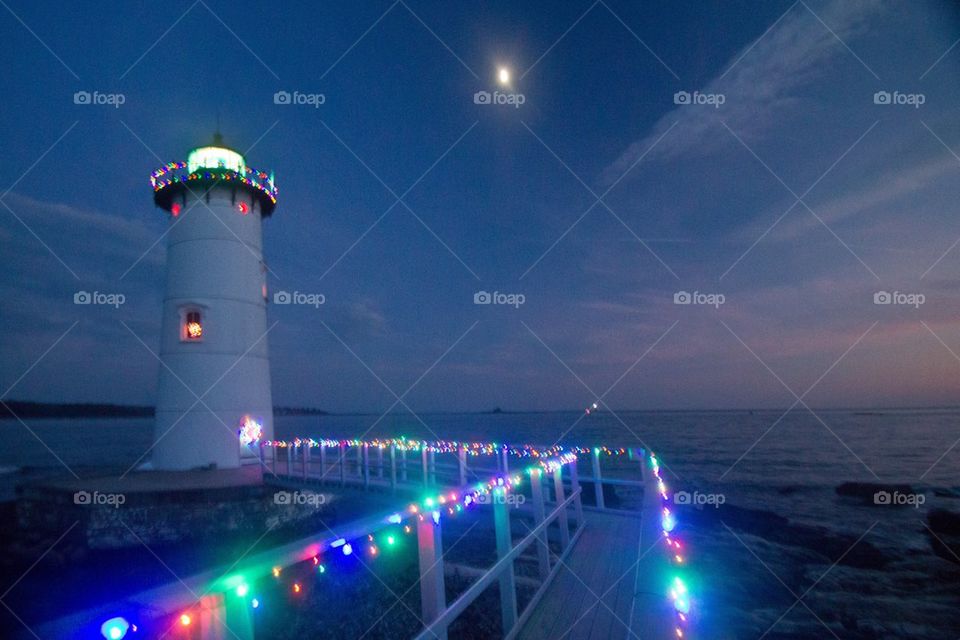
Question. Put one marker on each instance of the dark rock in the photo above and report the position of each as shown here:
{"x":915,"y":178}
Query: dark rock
{"x":944,"y":534}
{"x":947,"y":493}
{"x":831,"y":545}
{"x":943,"y":521}
{"x":866,"y":491}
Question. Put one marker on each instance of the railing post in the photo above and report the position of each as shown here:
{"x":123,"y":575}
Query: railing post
{"x":290,"y":453}
{"x":238,"y":620}
{"x":575,"y":487}
{"x":380,"y":461}
{"x":562,"y":519}
{"x":433,"y":467}
{"x":506,"y":466}
{"x":213,"y":617}
{"x":543,"y":549}
{"x":393,"y":467}
{"x":343,"y":465}
{"x":597,"y":480}
{"x":508,"y":591}
{"x":432,"y":594}
{"x":462,"y":459}
{"x":403,"y":464}
{"x":323,"y":463}
{"x":360,"y":450}
{"x":305,"y":460}
{"x":366,"y":465}
{"x":424,"y":466}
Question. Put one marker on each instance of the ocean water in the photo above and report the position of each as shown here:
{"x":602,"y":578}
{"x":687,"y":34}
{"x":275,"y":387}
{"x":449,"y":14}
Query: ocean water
{"x":775,"y":465}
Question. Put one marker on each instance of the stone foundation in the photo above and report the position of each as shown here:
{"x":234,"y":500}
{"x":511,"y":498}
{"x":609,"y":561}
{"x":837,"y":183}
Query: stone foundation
{"x":157,"y":511}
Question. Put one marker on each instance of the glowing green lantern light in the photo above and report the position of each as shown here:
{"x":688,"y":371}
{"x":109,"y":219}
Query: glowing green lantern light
{"x":215,"y":158}
{"x":114,"y":628}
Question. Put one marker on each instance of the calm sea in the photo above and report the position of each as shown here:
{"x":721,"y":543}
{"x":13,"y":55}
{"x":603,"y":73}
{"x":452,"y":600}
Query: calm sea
{"x":800,"y":449}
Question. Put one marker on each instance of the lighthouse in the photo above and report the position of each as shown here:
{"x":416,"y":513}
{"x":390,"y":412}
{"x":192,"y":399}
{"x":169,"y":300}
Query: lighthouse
{"x":213,"y":399}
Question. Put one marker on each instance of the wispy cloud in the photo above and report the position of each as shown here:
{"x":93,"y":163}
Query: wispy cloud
{"x":759,"y":83}
{"x":892,"y":188}
{"x":89,"y":236}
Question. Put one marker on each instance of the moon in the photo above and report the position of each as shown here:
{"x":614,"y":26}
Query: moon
{"x":503,"y":75}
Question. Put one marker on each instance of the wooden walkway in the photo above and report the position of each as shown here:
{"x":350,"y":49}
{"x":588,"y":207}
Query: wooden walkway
{"x":592,"y":595}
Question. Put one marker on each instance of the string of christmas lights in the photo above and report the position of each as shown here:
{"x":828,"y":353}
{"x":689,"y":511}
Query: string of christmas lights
{"x":449,"y":446}
{"x":251,"y":177}
{"x":388,"y":533}
{"x":678,"y":592}
{"x":385,"y":534}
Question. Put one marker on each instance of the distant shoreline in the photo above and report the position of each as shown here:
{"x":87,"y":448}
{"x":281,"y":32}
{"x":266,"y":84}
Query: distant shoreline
{"x":20,"y":409}
{"x":12,"y":409}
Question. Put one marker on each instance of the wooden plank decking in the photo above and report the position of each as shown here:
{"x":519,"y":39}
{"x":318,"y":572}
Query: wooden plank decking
{"x":592,"y":595}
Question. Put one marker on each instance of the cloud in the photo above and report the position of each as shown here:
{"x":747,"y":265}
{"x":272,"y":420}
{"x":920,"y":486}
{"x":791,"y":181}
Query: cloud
{"x":883,"y":190}
{"x":91,"y":242}
{"x":366,"y":313}
{"x":758,"y":82}
{"x":38,"y":299}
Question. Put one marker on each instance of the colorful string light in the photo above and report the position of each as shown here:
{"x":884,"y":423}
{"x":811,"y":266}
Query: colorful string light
{"x":167,"y":175}
{"x":386,"y":535}
{"x":678,"y":592}
{"x":251,"y":430}
{"x":114,"y":628}
{"x":450,"y":446}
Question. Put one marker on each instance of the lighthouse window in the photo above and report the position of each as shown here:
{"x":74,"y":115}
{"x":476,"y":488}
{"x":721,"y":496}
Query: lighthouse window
{"x":192,"y":326}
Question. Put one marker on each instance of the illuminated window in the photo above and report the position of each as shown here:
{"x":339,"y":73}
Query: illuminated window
{"x":192,"y":326}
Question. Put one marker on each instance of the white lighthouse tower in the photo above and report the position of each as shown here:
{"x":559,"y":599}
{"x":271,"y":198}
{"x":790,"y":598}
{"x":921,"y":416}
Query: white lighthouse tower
{"x":213,"y":344}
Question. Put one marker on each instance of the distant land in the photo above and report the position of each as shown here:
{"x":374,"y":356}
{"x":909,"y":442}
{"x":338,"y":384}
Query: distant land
{"x":22,"y":409}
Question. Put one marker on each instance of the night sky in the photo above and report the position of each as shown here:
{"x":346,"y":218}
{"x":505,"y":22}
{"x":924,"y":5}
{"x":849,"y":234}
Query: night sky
{"x":797,"y":199}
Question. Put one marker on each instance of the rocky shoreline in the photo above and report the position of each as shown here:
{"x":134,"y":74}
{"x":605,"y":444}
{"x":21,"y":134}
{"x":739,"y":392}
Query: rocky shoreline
{"x":764,"y":573}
